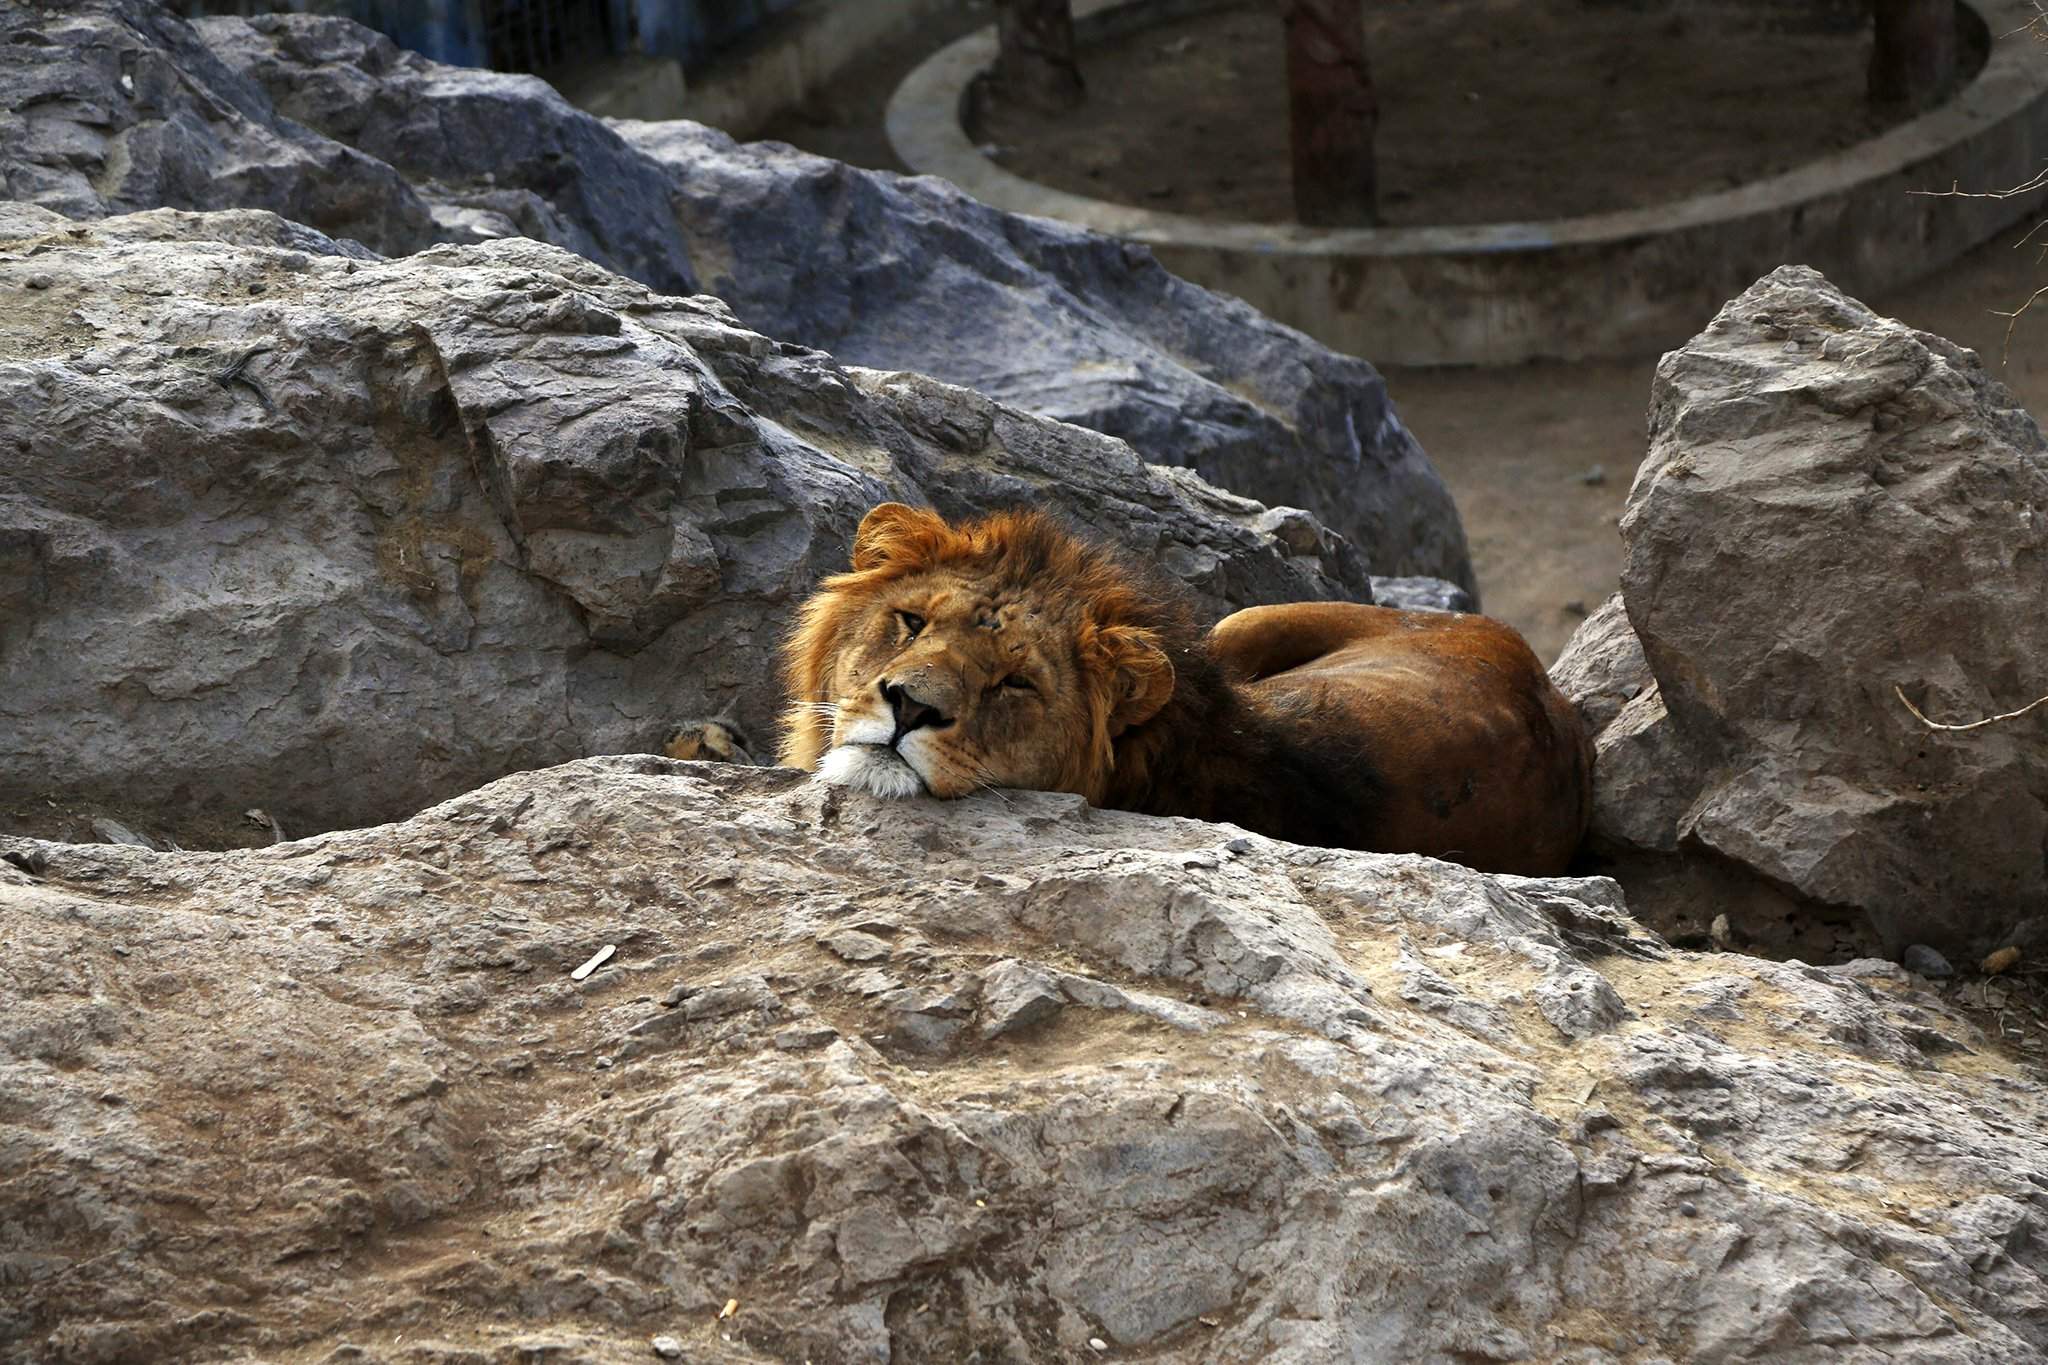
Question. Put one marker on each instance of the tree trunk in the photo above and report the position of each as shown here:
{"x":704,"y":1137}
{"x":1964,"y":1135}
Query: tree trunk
{"x":1332,"y":113}
{"x":1914,"y":59}
{"x":1035,"y":60}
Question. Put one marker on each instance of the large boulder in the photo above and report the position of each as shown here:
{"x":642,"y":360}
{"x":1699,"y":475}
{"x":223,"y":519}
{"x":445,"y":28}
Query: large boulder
{"x":1838,"y":515}
{"x":331,"y":124}
{"x":287,"y":526}
{"x":1001,"y":1079}
{"x":112,"y":106}
{"x":913,"y":273}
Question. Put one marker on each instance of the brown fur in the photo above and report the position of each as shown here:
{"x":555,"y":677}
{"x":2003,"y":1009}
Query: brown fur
{"x":1318,"y":722}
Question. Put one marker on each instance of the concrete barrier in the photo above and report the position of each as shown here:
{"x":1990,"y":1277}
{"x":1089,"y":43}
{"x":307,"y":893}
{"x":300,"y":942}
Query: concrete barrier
{"x":1610,"y":284}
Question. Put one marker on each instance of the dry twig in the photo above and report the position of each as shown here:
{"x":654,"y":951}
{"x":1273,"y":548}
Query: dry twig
{"x":1921,"y":716}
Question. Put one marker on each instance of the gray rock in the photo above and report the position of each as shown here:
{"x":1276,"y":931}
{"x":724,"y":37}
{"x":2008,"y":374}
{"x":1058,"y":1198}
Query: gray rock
{"x":112,"y":106}
{"x":1834,"y":507}
{"x":390,"y":528}
{"x":1602,"y":668}
{"x":1015,"y":995}
{"x":913,"y":274}
{"x":114,"y":832}
{"x":1925,"y":961}
{"x":851,"y":945}
{"x":1767,"y":1162}
{"x":495,"y":154}
{"x":1415,"y":593}
{"x":330,"y":124}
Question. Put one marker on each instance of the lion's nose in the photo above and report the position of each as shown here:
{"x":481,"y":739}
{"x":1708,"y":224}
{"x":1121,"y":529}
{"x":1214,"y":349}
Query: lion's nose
{"x":911,"y":712}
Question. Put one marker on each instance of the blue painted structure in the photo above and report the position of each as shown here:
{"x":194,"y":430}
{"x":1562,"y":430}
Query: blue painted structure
{"x":524,"y":34}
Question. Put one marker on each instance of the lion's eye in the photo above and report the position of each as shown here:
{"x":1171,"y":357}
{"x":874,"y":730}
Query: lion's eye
{"x":911,"y":622}
{"x":1018,"y":682}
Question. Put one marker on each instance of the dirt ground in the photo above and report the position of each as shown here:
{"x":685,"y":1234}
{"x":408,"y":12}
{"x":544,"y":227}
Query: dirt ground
{"x":1625,"y":107}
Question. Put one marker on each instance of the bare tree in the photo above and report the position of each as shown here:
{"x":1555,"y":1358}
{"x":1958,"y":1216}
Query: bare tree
{"x":1913,"y":61}
{"x":1035,"y":63}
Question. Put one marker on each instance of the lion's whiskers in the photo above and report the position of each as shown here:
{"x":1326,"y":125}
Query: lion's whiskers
{"x":985,"y":780}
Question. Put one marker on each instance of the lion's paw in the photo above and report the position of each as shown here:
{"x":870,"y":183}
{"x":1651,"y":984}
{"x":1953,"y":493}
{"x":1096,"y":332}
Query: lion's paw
{"x":709,"y":741}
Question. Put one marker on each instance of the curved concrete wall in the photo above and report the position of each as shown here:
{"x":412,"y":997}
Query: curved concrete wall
{"x":1625,"y":283}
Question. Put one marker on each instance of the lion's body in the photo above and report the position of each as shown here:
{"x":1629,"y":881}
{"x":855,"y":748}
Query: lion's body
{"x":1474,"y":755}
{"x":1037,"y":660}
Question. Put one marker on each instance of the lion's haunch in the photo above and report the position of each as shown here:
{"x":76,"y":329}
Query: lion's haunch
{"x":1009,"y":652}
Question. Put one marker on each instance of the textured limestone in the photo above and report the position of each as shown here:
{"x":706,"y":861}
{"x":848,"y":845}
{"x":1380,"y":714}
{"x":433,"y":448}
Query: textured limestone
{"x":289,"y":527}
{"x":340,"y":1100}
{"x":1834,"y":508}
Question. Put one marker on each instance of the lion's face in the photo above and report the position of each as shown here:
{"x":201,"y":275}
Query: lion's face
{"x":944,"y":665}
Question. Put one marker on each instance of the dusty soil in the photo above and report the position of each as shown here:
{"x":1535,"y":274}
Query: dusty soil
{"x":1490,"y":110}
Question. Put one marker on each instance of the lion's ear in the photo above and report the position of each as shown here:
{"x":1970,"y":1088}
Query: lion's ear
{"x":893,"y":533}
{"x":1141,"y":676}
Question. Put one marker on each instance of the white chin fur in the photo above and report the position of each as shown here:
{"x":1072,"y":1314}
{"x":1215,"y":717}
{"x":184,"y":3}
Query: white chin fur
{"x":866,"y":768}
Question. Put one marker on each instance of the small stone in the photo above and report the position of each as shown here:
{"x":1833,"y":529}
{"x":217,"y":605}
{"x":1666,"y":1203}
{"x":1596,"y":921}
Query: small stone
{"x":803,"y":1038}
{"x":668,"y":1348}
{"x":1922,"y":960}
{"x":1721,"y":932}
{"x":1097,"y":1344}
{"x":1239,"y":846}
{"x":40,"y":281}
{"x":114,"y":832}
{"x":1689,"y":1209}
{"x":1595,"y":476}
{"x":1016,"y":995}
{"x":851,"y":945}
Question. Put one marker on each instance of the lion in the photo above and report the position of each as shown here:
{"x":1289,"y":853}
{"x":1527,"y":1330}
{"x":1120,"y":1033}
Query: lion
{"x":1010,"y":652}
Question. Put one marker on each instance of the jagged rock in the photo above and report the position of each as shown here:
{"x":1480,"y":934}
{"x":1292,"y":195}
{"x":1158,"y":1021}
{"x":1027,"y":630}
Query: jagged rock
{"x":287,"y":526}
{"x":308,"y":1100}
{"x":914,"y":274}
{"x":329,"y":123}
{"x":495,"y":154}
{"x":1834,"y":506}
{"x":1015,"y":995}
{"x":1421,"y":593}
{"x":114,"y":106}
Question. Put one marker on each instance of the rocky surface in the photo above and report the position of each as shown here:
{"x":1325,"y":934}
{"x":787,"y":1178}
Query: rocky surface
{"x":914,"y":274}
{"x":107,"y":106}
{"x":992,"y":1079}
{"x":1835,"y":508}
{"x":113,"y":106}
{"x":285,"y":526}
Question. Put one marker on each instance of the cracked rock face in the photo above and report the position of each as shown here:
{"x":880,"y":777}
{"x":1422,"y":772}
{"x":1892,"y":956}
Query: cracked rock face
{"x":109,"y":106}
{"x":284,"y":525}
{"x":976,"y":1080}
{"x":1835,"y":508}
{"x":912,"y":273}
